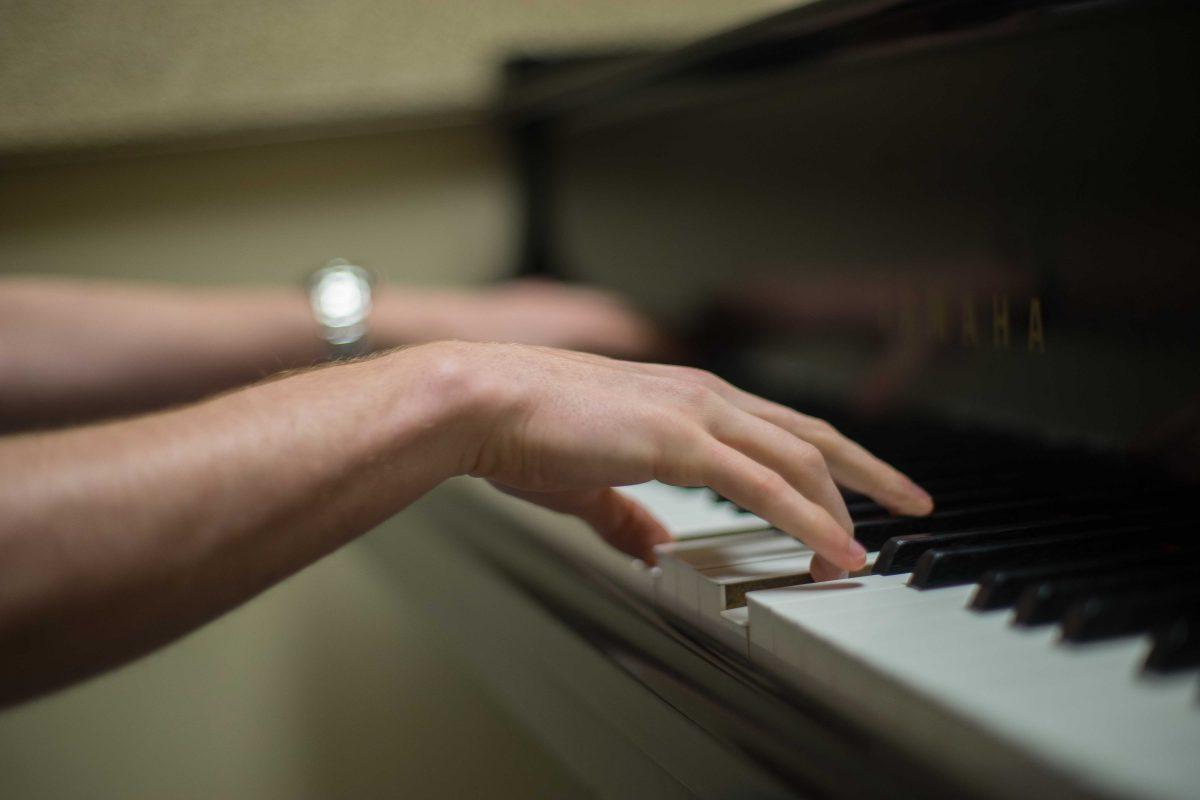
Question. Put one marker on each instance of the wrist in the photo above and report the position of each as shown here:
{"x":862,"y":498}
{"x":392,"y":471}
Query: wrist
{"x":469,"y":399}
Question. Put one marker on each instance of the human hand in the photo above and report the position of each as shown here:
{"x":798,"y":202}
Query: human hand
{"x":561,"y":428}
{"x":527,"y":311}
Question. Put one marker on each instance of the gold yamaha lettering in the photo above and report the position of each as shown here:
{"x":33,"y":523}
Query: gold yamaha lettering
{"x":970,"y":324}
{"x":934,"y":319}
{"x":1037,"y":331}
{"x":1000,"y":321}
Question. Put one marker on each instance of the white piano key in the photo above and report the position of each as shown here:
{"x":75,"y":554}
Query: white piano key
{"x":870,"y":610}
{"x":766,"y":605}
{"x":690,"y":513}
{"x":1085,"y":706}
{"x":732,"y":549}
{"x":643,"y":579}
{"x":719,"y":588}
{"x":682,"y":561}
{"x":733,"y":629}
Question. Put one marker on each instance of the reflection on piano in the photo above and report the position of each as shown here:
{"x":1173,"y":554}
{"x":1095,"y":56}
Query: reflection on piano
{"x":964,"y":233}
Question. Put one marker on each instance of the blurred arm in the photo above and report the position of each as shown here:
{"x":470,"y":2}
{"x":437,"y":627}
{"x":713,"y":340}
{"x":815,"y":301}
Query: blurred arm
{"x":74,"y":350}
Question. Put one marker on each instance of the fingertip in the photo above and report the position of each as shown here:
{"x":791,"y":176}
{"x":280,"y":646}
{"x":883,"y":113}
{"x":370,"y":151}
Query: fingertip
{"x":925,"y":505}
{"x":855,"y":556}
{"x":831,"y":541}
{"x":910,"y":500}
{"x":843,"y":554}
{"x":821,"y":570}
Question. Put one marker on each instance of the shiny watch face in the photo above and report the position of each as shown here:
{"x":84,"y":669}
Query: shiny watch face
{"x":341,"y":298}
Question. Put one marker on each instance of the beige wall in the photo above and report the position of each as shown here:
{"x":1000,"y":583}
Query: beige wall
{"x":81,"y":72}
{"x":422,"y":205}
{"x":327,"y":686}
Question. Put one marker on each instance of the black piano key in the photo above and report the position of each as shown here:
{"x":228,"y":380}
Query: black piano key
{"x":1026,"y":478}
{"x":936,"y":465}
{"x":865,"y":508}
{"x":1062,"y":493}
{"x":973,"y":496}
{"x":1046,"y":602}
{"x":1176,"y":645}
{"x":950,"y":567}
{"x":725,"y":501}
{"x":1132,"y":502}
{"x":1001,"y":588}
{"x":900,"y":553}
{"x":1109,"y":616}
{"x":873,"y":533}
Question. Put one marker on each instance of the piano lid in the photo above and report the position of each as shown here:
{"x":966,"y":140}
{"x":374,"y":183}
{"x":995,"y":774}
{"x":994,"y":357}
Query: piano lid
{"x":987,"y":209}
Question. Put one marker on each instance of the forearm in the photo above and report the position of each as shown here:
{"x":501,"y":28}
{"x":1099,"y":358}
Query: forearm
{"x":72,"y":350}
{"x":118,"y":537}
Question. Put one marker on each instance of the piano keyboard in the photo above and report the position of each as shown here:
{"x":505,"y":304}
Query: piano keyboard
{"x":1053,"y":601}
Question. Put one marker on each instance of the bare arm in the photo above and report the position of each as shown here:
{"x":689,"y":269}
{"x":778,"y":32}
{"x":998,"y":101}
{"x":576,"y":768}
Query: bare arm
{"x":118,"y":537}
{"x":74,"y":350}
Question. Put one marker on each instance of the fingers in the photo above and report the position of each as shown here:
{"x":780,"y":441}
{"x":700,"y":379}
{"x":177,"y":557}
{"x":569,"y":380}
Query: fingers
{"x":821,"y":570}
{"x":850,"y":464}
{"x":856,"y":468}
{"x":620,"y":521}
{"x":799,"y":462}
{"x":755,"y":487}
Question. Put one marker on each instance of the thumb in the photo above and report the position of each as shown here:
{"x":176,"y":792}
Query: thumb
{"x":623,"y":523}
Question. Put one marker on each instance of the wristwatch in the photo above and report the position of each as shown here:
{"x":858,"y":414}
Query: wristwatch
{"x":340,"y":295}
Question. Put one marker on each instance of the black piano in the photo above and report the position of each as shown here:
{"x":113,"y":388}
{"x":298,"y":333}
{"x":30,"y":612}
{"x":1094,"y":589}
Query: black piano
{"x":967,"y":233}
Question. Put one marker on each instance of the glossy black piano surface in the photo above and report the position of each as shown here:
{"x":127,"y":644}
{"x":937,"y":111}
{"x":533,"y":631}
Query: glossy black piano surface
{"x":981,"y":208}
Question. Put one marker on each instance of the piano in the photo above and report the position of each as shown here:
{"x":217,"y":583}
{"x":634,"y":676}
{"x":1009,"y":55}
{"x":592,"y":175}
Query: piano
{"x":966,"y":234}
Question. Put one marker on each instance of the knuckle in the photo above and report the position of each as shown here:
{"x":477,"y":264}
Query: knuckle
{"x":695,"y":396}
{"x":764,"y":486}
{"x":661,"y":429}
{"x":823,"y":428}
{"x":673,"y":447}
{"x":810,"y":459}
{"x":677,"y":467}
{"x":704,"y":377}
{"x":814,"y":427}
{"x":698,"y":376}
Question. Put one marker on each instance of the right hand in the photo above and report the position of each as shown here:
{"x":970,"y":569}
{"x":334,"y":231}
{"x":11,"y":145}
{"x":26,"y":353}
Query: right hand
{"x":561,"y":428}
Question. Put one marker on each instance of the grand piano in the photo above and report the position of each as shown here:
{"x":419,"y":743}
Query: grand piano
{"x":964,"y":232}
